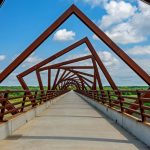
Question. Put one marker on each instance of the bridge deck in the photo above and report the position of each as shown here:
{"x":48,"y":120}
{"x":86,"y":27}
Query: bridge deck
{"x":69,"y":124}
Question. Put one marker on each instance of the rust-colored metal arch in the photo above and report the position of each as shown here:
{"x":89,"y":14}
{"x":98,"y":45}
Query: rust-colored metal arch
{"x":74,"y":10}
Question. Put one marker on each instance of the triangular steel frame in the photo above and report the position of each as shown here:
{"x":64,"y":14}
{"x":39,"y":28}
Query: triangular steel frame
{"x":98,"y":32}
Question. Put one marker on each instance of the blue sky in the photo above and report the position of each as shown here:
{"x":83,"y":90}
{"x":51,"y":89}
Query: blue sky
{"x":21,"y":22}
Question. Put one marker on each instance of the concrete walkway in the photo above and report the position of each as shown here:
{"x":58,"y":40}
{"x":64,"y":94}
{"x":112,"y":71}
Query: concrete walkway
{"x":71,"y":124}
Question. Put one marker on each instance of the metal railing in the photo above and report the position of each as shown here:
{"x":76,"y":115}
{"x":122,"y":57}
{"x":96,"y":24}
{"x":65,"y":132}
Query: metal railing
{"x":16,"y":102}
{"x":129,"y":102}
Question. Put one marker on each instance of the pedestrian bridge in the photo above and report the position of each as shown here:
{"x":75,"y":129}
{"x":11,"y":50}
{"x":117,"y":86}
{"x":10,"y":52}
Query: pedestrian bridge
{"x":91,"y":116}
{"x":71,"y":123}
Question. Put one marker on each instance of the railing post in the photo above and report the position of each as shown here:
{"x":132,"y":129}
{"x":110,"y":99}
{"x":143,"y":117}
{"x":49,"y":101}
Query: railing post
{"x":143,"y":118}
{"x":4,"y":106}
{"x":97,"y":95}
{"x":51,"y":95}
{"x":103,"y":96}
{"x":35,"y":96}
{"x":23,"y":101}
{"x":42,"y":94}
{"x":94,"y":95}
{"x":120,"y":101}
{"x":47,"y":95}
{"x":109,"y":98}
{"x":100,"y":96}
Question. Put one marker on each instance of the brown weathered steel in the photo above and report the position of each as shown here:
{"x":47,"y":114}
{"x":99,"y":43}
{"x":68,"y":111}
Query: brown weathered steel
{"x":96,"y":75}
{"x":49,"y":79}
{"x":39,"y":80}
{"x":56,"y":78}
{"x":73,"y":67}
{"x":66,"y":62}
{"x":53,"y":57}
{"x":23,"y":104}
{"x":111,"y":98}
{"x":82,"y":73}
{"x":66,"y":50}
{"x":74,"y":10}
{"x":72,"y":77}
{"x":75,"y":72}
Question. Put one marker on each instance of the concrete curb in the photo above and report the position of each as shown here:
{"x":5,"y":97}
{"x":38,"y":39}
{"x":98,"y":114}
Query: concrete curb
{"x":138,"y":129}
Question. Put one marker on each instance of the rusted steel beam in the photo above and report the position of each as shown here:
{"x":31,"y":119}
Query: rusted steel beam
{"x":66,"y":75}
{"x":68,"y":79}
{"x":116,"y":49}
{"x":87,"y":84}
{"x":9,"y":106}
{"x":86,"y":41}
{"x":86,"y":79}
{"x":82,"y":79}
{"x":23,"y":83}
{"x":82,"y":76}
{"x":82,"y":73}
{"x":61,"y":77}
{"x":74,"y":83}
{"x":39,"y":81}
{"x":101,"y":65}
{"x":49,"y":79}
{"x":71,"y":80}
{"x":74,"y":78}
{"x":53,"y":57}
{"x":66,"y":62}
{"x":74,"y":67}
{"x":75,"y":72}
{"x":73,"y":75}
{"x":25,"y":87}
{"x":74,"y":10}
{"x":82,"y":83}
{"x":97,"y":75}
{"x":71,"y":83}
{"x":36,"y":44}
{"x":94,"y":81}
{"x":78,"y":74}
{"x":56,"y":77}
{"x":108,"y":77}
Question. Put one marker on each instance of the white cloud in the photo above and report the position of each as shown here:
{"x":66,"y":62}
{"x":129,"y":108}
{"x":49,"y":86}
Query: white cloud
{"x":64,"y":35}
{"x":31,"y":60}
{"x":140,"y":50}
{"x":143,"y":63}
{"x":125,"y":33}
{"x":116,"y":12}
{"x":125,"y":23}
{"x":2,"y":57}
{"x":95,"y":37}
{"x":108,"y":59}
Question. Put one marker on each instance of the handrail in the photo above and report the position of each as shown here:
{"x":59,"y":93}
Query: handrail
{"x":17,"y":101}
{"x":136,"y":105}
